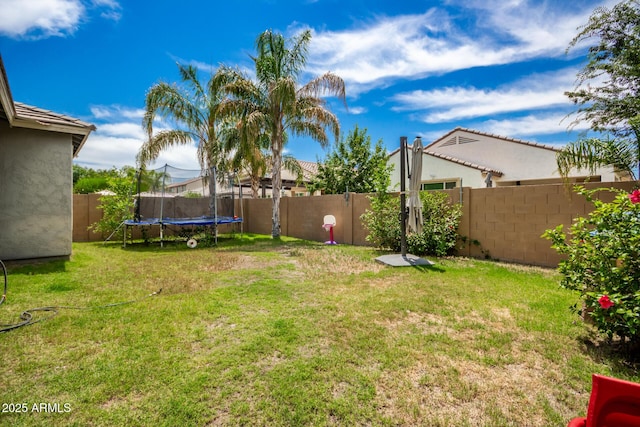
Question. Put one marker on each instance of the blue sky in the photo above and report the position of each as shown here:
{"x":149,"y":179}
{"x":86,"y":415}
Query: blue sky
{"x":410,"y":67}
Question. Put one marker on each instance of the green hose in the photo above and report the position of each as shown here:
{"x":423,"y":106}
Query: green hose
{"x":4,"y":293}
{"x":26,"y":316}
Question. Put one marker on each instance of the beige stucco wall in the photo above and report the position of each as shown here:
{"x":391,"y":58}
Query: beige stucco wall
{"x":35,"y":193}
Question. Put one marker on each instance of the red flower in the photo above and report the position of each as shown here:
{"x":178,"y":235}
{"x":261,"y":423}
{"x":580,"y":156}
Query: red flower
{"x":635,"y":196}
{"x":605,"y":302}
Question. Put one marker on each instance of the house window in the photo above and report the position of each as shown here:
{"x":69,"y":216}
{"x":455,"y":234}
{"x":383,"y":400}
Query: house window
{"x":439,"y":185}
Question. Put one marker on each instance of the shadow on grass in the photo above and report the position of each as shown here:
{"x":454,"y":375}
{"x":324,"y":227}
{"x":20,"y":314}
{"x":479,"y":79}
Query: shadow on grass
{"x":36,"y":267}
{"x":245,"y":242}
{"x":622,"y":358}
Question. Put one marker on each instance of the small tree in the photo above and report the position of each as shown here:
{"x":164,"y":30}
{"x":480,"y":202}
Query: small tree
{"x":354,"y":165}
{"x":603,"y":263}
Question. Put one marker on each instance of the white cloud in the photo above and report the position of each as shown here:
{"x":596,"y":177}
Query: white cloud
{"x":104,"y":151}
{"x":38,"y":19}
{"x":483,"y":33}
{"x":536,"y":91}
{"x":531,"y":125}
{"x":117,"y":140}
{"x":116,"y":111}
{"x":357,"y":110}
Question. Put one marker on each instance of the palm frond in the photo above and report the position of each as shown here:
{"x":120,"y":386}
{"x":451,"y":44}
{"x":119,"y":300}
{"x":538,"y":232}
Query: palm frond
{"x":592,"y":153}
{"x":189,"y":75}
{"x":170,"y":102}
{"x":327,"y":84}
{"x":152,"y":148}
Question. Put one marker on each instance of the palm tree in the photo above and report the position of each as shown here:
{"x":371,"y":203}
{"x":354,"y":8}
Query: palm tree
{"x":195,"y":109}
{"x":592,"y":153}
{"x":276,"y":105}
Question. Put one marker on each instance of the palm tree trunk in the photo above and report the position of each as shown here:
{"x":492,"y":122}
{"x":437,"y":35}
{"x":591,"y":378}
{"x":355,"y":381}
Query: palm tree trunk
{"x":276,"y":182}
{"x":255,"y":186}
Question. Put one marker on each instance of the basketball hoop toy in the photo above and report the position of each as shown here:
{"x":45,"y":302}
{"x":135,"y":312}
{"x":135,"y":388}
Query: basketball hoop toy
{"x":329,"y":223}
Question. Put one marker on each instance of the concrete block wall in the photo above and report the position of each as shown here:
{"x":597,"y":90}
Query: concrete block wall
{"x":507,"y":222}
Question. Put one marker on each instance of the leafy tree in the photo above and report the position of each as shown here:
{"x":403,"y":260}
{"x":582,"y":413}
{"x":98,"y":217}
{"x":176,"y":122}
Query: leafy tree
{"x":354,"y":166}
{"x":608,"y":90}
{"x":275,"y":104}
{"x":195,"y":109}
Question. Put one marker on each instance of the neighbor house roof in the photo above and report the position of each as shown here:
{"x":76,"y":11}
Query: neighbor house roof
{"x":481,"y":168}
{"x":29,"y":117}
{"x":449,"y":134}
{"x":309,"y":171}
{"x":491,"y":135}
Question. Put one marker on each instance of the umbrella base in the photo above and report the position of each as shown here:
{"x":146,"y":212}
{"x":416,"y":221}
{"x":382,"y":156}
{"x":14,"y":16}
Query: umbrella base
{"x":398,"y":260}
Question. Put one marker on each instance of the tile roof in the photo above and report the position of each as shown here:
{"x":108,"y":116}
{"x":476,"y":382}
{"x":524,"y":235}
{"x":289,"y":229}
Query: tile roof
{"x":495,"y":172}
{"x":47,"y":117}
{"x":491,"y":135}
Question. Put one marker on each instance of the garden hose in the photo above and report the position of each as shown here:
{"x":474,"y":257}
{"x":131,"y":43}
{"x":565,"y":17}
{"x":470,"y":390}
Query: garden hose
{"x":26,"y":316}
{"x":4,"y":293}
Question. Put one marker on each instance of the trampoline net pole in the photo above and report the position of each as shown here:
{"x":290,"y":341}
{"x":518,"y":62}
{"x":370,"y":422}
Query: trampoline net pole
{"x":215,"y":206}
{"x":241,"y":205}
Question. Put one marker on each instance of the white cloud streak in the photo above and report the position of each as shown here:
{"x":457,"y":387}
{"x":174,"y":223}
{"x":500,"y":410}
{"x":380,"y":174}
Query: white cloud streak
{"x":531,"y":125}
{"x":436,"y":42}
{"x":537,"y":91}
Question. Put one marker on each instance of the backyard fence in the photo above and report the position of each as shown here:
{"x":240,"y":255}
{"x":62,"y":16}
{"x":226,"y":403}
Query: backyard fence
{"x":504,"y":222}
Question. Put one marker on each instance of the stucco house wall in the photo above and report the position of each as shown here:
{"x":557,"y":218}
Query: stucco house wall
{"x":467,"y":156}
{"x":436,"y":169}
{"x":36,"y":178}
{"x":35,"y":203}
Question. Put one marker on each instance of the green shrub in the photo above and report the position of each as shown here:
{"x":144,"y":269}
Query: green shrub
{"x":439,"y":234}
{"x":383,"y":221}
{"x":91,"y":184}
{"x":116,"y":208}
{"x":603,"y":263}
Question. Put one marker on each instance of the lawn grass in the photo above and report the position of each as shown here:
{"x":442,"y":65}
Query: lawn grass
{"x":261,"y":332}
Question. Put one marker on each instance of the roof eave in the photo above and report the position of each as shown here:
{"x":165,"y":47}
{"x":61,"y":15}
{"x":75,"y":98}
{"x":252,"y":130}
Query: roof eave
{"x":6,"y":100}
{"x":82,"y":131}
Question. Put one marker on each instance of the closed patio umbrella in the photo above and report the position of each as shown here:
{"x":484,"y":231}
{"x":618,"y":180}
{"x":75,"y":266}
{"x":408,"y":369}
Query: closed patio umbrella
{"x":415,"y":204}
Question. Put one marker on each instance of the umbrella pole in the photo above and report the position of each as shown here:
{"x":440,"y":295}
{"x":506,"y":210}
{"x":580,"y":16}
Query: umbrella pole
{"x":403,"y":200}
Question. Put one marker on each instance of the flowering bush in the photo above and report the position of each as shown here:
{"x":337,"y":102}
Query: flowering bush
{"x":603,"y":262}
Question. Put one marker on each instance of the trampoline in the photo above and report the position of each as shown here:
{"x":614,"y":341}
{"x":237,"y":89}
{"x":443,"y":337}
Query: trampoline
{"x":179,"y":222}
{"x":203,"y":220}
{"x":212,"y":220}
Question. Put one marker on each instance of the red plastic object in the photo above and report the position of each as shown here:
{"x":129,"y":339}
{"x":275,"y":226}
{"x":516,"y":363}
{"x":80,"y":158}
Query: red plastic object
{"x":613,"y":403}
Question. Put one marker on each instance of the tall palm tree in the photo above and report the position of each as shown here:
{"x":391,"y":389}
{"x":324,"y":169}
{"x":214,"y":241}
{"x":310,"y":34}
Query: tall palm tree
{"x":195,"y":110}
{"x":276,"y":105}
